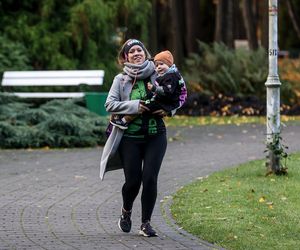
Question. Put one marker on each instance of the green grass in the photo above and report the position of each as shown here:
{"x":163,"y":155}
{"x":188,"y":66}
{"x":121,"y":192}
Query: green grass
{"x":221,"y":120}
{"x":241,"y":208}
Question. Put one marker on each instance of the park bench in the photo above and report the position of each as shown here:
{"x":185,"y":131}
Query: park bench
{"x":52,"y":78}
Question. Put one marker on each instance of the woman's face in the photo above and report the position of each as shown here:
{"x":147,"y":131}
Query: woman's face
{"x":136,"y":55}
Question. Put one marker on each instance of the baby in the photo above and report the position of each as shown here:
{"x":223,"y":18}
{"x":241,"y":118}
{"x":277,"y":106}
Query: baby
{"x":164,"y":94}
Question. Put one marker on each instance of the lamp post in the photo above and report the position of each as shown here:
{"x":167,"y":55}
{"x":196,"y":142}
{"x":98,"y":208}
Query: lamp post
{"x":273,"y":91}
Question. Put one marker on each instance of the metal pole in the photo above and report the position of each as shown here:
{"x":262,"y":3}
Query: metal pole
{"x":273,"y":89}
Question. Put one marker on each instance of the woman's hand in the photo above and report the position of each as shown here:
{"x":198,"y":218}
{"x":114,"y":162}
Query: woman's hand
{"x":142,"y":107}
{"x":160,"y":112}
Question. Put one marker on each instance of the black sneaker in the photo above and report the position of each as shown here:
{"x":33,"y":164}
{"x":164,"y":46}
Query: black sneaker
{"x":124,"y":222}
{"x":116,"y":121}
{"x":147,"y":230}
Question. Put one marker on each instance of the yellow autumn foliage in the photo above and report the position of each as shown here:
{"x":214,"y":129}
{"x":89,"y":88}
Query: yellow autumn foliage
{"x":290,"y":71}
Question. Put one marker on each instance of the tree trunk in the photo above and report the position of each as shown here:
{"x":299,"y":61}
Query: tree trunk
{"x":221,"y":23}
{"x":175,"y":40}
{"x":293,"y":17}
{"x":163,"y":20}
{"x":224,"y":31}
{"x":230,"y":28}
{"x":239,"y":27}
{"x":264,"y":26}
{"x":192,"y":18}
{"x":153,"y":39}
{"x":250,"y":24}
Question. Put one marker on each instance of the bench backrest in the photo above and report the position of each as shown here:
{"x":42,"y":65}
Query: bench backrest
{"x":52,"y":78}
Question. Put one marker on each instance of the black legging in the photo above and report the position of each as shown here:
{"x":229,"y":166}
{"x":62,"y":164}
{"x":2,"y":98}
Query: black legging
{"x":133,"y":153}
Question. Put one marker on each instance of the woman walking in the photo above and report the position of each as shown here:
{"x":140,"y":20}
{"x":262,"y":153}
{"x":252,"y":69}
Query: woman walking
{"x":142,"y":146}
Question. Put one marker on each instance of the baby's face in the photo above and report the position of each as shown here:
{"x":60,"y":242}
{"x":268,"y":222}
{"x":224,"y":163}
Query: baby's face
{"x":161,"y":67}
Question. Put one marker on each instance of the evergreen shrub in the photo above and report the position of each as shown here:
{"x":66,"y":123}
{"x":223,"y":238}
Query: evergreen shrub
{"x":57,"y":123}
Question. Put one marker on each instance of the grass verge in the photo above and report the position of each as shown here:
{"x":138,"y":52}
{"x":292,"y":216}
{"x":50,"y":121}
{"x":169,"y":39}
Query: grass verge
{"x":241,"y":208}
{"x":221,"y":120}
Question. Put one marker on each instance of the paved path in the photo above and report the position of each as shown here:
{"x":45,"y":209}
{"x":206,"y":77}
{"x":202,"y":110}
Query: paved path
{"x":53,"y":199}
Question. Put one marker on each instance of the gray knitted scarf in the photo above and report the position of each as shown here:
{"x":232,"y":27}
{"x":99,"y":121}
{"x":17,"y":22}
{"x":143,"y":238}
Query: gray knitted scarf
{"x":139,"y":71}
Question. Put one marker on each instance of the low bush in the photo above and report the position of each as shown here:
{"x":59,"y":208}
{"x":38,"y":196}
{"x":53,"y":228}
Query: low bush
{"x":57,"y":123}
{"x":224,"y":82}
{"x":218,"y":69}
